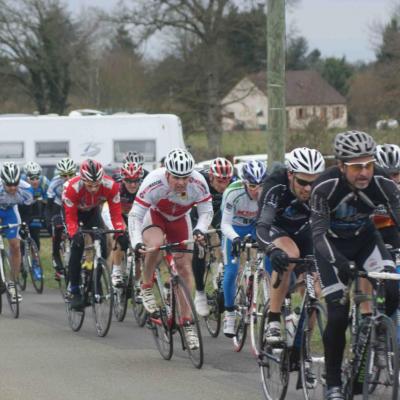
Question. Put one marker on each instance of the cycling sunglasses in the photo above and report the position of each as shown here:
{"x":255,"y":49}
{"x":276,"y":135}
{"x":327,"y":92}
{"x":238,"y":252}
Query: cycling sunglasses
{"x":34,"y":177}
{"x":358,"y":167}
{"x":253,"y":185}
{"x":303,"y":182}
{"x":127,"y":180}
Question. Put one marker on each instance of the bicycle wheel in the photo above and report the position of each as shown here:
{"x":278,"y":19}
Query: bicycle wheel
{"x":241,"y":323}
{"x":188,"y":322}
{"x":273,"y":363}
{"x":387,"y":385}
{"x":312,"y":358}
{"x":213,"y":320}
{"x":121,"y":297}
{"x":259,"y":299}
{"x":102,"y":298}
{"x":9,"y":279}
{"x":75,"y":317}
{"x":161,"y":323}
{"x":64,"y":256}
{"x":23,"y":274}
{"x":35,"y":266}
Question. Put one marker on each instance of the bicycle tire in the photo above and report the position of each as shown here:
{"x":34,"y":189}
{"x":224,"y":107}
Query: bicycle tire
{"x":75,"y":317}
{"x":14,"y":306}
{"x":213,"y":320}
{"x":64,"y":279}
{"x":183,"y":306}
{"x":241,"y":324}
{"x":139,"y":312}
{"x":23,"y":275}
{"x":102,"y":298}
{"x":385,"y":388}
{"x":274,"y":365}
{"x":258,"y":302}
{"x":312,"y":358}
{"x":161,"y":324}
{"x":33,"y":258}
{"x":121,"y":297}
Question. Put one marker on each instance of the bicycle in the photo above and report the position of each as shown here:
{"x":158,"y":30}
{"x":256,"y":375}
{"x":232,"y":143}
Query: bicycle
{"x":95,"y":286}
{"x":361,"y":370}
{"x":31,"y":263}
{"x":174,"y":304}
{"x":252,"y":293}
{"x":302,"y":332}
{"x":7,"y":278}
{"x":65,"y":253}
{"x":213,"y":279}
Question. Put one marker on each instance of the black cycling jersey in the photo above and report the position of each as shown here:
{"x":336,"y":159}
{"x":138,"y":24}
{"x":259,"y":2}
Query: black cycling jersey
{"x":340,"y":211}
{"x":216,"y":203}
{"x":127,"y":199}
{"x":279,"y":207}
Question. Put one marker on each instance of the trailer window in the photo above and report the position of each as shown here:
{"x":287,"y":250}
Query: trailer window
{"x":11,"y":150}
{"x":147,"y":147}
{"x":52,"y":149}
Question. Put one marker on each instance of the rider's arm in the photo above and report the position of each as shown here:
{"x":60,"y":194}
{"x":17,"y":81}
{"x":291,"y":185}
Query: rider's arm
{"x":70,"y":200}
{"x":272,"y":192}
{"x":228,"y":211}
{"x":391,"y":193}
{"x":321,"y":222}
{"x":105,"y":215}
{"x":135,"y":221}
{"x":114,"y":206}
{"x":205,"y":214}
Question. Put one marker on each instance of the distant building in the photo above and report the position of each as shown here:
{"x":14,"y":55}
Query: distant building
{"x":308,"y":97}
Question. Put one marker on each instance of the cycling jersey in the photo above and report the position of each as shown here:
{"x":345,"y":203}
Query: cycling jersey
{"x":77,"y":198}
{"x":23,"y":196}
{"x":216,"y":202}
{"x":281,"y":210}
{"x":238,"y":209}
{"x":55,"y":190}
{"x":340,"y":211}
{"x":155,"y":194}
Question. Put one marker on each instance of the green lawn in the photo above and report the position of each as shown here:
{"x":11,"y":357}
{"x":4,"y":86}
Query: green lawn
{"x":45,"y":256}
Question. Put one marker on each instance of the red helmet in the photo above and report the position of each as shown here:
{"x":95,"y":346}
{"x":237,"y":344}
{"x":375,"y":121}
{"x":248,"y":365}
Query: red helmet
{"x":131,"y":170}
{"x":221,"y":168}
{"x":91,"y":171}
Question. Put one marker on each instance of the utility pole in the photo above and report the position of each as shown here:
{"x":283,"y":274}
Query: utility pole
{"x":276,"y":127}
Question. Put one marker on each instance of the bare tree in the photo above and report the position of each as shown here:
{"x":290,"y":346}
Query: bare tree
{"x":41,"y":42}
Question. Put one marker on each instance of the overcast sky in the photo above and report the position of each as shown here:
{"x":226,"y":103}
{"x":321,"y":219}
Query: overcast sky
{"x":336,"y":27}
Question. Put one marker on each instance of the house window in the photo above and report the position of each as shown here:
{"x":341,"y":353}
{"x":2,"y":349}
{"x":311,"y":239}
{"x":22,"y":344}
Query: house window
{"x":323,"y":113}
{"x":260,"y":113}
{"x":11,"y":150}
{"x":146,"y":147}
{"x":300,"y":113}
{"x":52,"y":149}
{"x":337,"y":112}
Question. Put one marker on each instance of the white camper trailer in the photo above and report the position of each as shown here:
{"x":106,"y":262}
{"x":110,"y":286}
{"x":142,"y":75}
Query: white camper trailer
{"x":46,"y":139}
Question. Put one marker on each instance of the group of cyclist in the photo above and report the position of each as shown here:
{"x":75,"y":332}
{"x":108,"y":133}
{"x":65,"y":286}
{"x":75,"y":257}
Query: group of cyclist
{"x":343,"y":214}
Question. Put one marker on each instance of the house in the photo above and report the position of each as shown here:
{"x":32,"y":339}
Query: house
{"x":308,"y":97}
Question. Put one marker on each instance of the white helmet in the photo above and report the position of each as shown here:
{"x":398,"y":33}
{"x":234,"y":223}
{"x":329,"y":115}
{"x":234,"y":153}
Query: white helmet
{"x":66,"y":166}
{"x":32,"y":168}
{"x":388,"y":157}
{"x":305,"y":160}
{"x":179,"y":162}
{"x":10,"y":173}
{"x":134,"y":156}
{"x":353,"y":144}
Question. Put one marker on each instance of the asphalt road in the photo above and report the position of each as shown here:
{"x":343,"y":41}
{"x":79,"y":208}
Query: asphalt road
{"x":42,"y":359}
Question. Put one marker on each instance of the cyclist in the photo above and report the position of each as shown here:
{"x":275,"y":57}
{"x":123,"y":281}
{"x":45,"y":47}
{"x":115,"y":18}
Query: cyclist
{"x":283,"y":227}
{"x":388,"y":157}
{"x":14,"y":192}
{"x":161,"y":212}
{"x":137,"y":158}
{"x":131,"y":178}
{"x":39,"y":184}
{"x":218,"y":178}
{"x":343,"y":200}
{"x":65,"y":170}
{"x":82,"y":198}
{"x":239,"y":213}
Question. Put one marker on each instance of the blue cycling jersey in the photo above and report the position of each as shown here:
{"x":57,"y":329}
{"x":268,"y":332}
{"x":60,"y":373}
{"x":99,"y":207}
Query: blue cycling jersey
{"x":23,"y":196}
{"x":40,"y":193}
{"x":55,"y":189}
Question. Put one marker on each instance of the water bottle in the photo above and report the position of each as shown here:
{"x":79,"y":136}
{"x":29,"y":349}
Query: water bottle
{"x":291,"y":322}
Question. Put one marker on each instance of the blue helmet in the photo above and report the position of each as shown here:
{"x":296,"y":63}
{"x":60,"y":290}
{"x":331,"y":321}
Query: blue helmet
{"x":254,"y":172}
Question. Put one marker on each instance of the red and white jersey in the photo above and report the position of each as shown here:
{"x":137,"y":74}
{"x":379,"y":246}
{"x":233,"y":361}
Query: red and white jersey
{"x":76,"y":198}
{"x":156,"y":194}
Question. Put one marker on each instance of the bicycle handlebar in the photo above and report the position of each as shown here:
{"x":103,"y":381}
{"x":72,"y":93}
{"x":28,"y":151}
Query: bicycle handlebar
{"x":170,"y":246}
